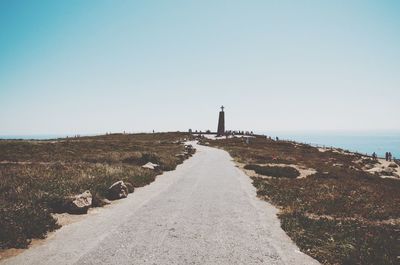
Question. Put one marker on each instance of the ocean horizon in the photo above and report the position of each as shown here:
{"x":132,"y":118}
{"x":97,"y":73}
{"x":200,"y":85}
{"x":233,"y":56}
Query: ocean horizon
{"x":361,"y":142}
{"x":365,"y":142}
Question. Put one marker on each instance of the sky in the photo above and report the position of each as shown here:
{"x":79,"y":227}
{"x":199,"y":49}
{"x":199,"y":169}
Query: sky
{"x":98,"y":66}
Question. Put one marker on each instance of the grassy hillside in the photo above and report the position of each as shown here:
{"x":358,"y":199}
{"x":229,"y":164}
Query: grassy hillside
{"x":339,"y":215}
{"x":36,"y":176}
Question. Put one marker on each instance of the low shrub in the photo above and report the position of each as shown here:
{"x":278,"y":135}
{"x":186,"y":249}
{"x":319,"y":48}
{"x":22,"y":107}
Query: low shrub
{"x":19,"y":222}
{"x":274,"y":171}
{"x":344,"y":242}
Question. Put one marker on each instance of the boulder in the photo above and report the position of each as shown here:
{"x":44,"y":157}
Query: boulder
{"x":130,"y":187}
{"x":98,"y":201}
{"x":79,"y":204}
{"x":393,"y":165}
{"x":118,"y":190}
{"x":189,"y":150}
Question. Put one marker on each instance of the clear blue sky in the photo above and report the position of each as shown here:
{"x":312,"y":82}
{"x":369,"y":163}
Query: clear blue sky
{"x":95,"y":66}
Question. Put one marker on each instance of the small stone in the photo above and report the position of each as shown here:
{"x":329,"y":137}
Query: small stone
{"x":79,"y":204}
{"x":118,"y":190}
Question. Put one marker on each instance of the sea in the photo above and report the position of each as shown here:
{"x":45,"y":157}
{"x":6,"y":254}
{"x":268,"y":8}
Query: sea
{"x":361,"y":142}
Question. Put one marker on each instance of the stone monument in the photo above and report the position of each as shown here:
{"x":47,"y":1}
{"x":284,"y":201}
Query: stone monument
{"x":221,"y":123}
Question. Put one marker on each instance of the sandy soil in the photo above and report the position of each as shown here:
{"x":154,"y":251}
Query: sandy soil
{"x":382,"y":165}
{"x":335,"y":150}
{"x":205,"y":212}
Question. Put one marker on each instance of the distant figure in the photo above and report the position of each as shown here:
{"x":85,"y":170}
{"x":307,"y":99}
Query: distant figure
{"x":277,"y":138}
{"x":153,"y":131}
{"x":386,"y":156}
{"x":374,"y":156}
{"x":390,"y":156}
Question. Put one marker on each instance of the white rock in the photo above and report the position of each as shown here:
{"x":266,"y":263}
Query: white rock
{"x":150,"y":165}
{"x":79,"y":204}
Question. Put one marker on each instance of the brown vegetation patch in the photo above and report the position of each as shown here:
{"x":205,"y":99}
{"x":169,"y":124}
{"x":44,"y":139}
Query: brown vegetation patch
{"x":37,"y":176}
{"x":339,"y":215}
{"x":274,"y":171}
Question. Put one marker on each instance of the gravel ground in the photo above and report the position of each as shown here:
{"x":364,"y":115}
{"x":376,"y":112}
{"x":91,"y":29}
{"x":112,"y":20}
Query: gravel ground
{"x":205,"y":212}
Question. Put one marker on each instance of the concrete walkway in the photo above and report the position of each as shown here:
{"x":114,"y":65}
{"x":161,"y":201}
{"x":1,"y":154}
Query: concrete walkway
{"x":205,"y":212}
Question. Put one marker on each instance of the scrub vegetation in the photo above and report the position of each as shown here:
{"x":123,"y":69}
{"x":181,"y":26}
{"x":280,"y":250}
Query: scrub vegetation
{"x":339,"y":215}
{"x":274,"y":171}
{"x":36,"y":176}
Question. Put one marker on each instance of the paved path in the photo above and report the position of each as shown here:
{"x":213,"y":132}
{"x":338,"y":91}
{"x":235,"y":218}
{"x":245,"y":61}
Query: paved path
{"x":205,"y":212}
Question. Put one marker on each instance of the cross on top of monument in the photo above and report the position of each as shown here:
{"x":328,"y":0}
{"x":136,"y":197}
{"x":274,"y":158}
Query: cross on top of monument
{"x":222,"y":108}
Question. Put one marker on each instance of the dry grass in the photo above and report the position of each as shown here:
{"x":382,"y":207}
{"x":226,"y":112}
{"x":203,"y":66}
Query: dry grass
{"x":274,"y":171}
{"x":341,"y":214}
{"x":36,"y":176}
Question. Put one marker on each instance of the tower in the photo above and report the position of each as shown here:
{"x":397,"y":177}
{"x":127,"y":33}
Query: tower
{"x":221,"y":122}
